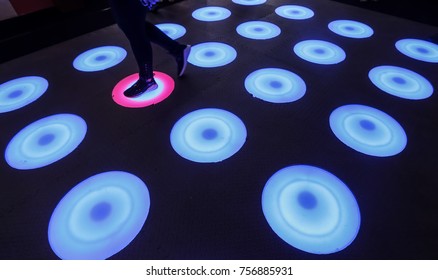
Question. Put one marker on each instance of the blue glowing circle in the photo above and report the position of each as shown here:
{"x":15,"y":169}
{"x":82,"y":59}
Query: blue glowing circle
{"x":99,"y":217}
{"x":258,"y":30}
{"x":368,"y":130}
{"x":45,"y":141}
{"x":211,"y":13}
{"x":208,"y":135}
{"x":401,"y":82}
{"x":351,"y":29}
{"x":249,"y":2}
{"x":99,"y":59}
{"x":311,"y":209}
{"x":20,"y":92}
{"x":418,"y":49}
{"x":319,"y":52}
{"x":172,"y":30}
{"x":212,"y":54}
{"x":294,"y":12}
{"x":275,"y":85}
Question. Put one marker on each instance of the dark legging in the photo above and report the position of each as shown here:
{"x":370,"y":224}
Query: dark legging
{"x":130,"y":16}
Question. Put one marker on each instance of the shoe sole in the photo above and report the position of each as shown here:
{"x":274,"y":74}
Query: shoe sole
{"x":186,"y":56}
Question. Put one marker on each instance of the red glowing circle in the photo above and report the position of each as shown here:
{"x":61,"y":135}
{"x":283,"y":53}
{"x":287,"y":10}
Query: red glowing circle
{"x":165,"y":87}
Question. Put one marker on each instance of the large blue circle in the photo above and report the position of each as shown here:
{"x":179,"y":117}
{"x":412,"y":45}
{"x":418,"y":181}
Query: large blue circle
{"x":418,"y":49}
{"x":275,"y":85}
{"x":45,"y":141}
{"x":99,"y":217}
{"x":401,"y":82}
{"x":99,"y":59}
{"x":212,"y":54}
{"x":17,"y":93}
{"x":172,"y":30}
{"x":211,"y":13}
{"x":319,"y":52}
{"x":368,"y":130}
{"x":311,"y":209}
{"x":351,"y":29}
{"x":208,"y":135}
{"x":258,"y":30}
{"x":294,"y":12}
{"x":249,"y":2}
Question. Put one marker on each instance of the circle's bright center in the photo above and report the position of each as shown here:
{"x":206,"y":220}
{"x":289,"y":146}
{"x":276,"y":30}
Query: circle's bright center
{"x":307,"y":200}
{"x":100,"y":211}
{"x":46,"y":139}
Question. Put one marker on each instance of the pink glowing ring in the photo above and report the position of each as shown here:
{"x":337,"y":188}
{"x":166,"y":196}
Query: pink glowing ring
{"x":165,"y":87}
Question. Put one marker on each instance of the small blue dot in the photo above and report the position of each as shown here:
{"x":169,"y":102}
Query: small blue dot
{"x":399,"y":80}
{"x":209,"y":53}
{"x":350,"y":28}
{"x":100,"y":58}
{"x":368,"y":125}
{"x":15,"y":94}
{"x":294,"y":12}
{"x":212,"y":13}
{"x":46,"y":139}
{"x":100,"y":211}
{"x":422,"y":50}
{"x":258,"y":29}
{"x":275,"y":84}
{"x":319,"y":51}
{"x":209,"y":134}
{"x":166,"y":31}
{"x":307,"y":200}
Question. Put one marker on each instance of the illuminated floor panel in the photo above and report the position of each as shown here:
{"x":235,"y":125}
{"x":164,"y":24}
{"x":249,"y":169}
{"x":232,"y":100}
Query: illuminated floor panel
{"x":100,"y":58}
{"x":275,"y":85}
{"x":208,"y":135}
{"x":165,"y":84}
{"x":401,"y":82}
{"x":211,"y":13}
{"x":45,"y":141}
{"x":368,"y":130}
{"x":212,"y":54}
{"x":311,"y":209}
{"x":319,"y":52}
{"x":19,"y":92}
{"x":418,"y":49}
{"x":99,"y":217}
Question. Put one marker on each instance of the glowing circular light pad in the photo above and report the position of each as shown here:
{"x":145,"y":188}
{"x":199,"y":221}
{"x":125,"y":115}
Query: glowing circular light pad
{"x":165,"y":84}
{"x":99,"y":217}
{"x":99,"y":59}
{"x":311,"y":209}
{"x":208,"y":135}
{"x":319,"y":52}
{"x":351,"y":29}
{"x":45,"y":141}
{"x":294,"y":12}
{"x":401,"y":82}
{"x":249,"y":2}
{"x":212,"y":13}
{"x":259,"y":30}
{"x":20,"y":92}
{"x":172,"y":30}
{"x":418,"y":49}
{"x":211,"y":54}
{"x":275,"y":85}
{"x":368,"y":130}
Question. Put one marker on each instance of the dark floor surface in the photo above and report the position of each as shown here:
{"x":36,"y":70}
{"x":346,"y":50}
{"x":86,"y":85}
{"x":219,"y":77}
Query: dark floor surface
{"x":213,"y":211}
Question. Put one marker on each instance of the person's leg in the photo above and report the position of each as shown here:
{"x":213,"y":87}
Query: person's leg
{"x":179,"y":51}
{"x":130,"y":17}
